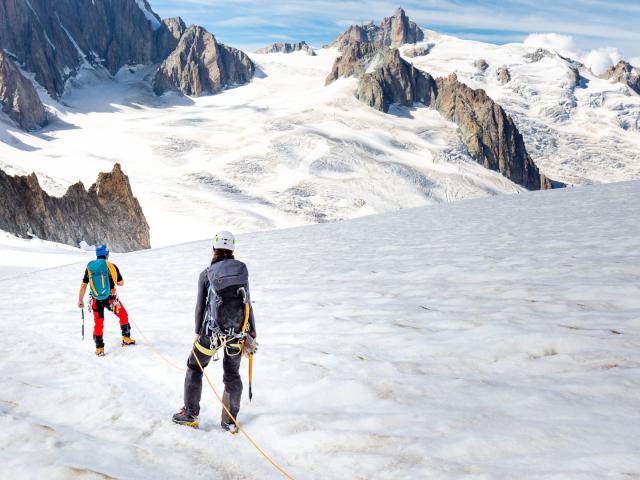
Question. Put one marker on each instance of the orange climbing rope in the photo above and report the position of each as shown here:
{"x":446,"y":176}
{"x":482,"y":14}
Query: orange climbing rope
{"x":218,"y":397}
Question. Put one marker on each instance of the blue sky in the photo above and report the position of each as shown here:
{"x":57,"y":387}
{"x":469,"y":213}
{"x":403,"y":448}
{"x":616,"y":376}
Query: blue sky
{"x":249,"y":24}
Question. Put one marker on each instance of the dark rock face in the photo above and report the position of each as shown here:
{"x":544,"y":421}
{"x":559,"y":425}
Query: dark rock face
{"x":626,"y":74}
{"x":504,"y":75}
{"x":357,"y":33}
{"x":283,"y":47}
{"x":168,"y":35}
{"x":393,"y":31}
{"x":201,"y":66}
{"x":53,"y":38}
{"x":18,"y":97}
{"x":489,"y":134}
{"x":398,"y":30}
{"x":395,"y":81}
{"x":538,"y":55}
{"x":481,"y":64}
{"x":353,"y":61}
{"x":106,"y":213}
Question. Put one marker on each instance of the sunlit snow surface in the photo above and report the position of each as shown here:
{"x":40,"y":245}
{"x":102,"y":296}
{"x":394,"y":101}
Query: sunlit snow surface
{"x":284,"y":150}
{"x":18,"y":255}
{"x":485,"y":339}
{"x":287,"y":150}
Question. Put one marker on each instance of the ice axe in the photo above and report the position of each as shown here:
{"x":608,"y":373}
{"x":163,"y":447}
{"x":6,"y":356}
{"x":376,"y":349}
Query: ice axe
{"x":250,"y":376}
{"x":247,"y":309}
{"x":82,"y":311}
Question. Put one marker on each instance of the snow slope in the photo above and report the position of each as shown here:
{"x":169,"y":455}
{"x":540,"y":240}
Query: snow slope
{"x":484,"y":339}
{"x":19,"y":255}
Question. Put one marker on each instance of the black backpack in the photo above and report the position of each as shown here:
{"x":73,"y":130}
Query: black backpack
{"x":228,"y":294}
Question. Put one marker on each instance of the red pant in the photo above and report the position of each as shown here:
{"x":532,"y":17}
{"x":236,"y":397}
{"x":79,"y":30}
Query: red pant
{"x":113,"y":305}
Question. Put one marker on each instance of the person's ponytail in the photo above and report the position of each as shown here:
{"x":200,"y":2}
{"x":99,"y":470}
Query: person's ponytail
{"x":221,"y":254}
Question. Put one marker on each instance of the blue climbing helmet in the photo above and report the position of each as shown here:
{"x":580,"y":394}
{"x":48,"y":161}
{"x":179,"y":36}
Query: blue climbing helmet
{"x":102,"y":251}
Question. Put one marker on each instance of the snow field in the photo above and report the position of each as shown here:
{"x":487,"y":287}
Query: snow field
{"x":18,"y":255}
{"x":281,"y":151}
{"x":485,"y":339}
{"x":286,"y":150}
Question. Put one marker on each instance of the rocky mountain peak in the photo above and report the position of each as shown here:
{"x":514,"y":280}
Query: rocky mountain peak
{"x":490,"y":135}
{"x":393,"y":31}
{"x":283,"y":47}
{"x":53,"y":38}
{"x":623,"y":72}
{"x":18,"y":97}
{"x":353,"y":61}
{"x":168,"y":35}
{"x":106,"y":213}
{"x":199,"y":65}
{"x":398,"y":30}
{"x":394,"y":80}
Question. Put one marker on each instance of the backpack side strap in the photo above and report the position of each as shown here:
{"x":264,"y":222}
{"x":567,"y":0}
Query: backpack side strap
{"x":247,"y":308}
{"x":93,"y":287}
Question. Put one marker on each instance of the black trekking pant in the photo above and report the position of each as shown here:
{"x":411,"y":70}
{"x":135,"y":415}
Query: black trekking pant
{"x":231,"y":378}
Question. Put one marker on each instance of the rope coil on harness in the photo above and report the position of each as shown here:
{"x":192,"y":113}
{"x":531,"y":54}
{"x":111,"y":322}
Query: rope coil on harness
{"x":215,"y":392}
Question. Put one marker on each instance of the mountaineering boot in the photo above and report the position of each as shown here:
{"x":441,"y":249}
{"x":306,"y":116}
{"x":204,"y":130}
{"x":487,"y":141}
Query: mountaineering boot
{"x":99,"y":345}
{"x":185,"y":418}
{"x":126,"y":335}
{"x":229,"y":427}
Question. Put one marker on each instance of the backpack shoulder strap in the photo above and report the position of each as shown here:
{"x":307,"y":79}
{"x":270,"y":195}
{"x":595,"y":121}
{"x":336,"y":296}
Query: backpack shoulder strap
{"x":113,"y":272}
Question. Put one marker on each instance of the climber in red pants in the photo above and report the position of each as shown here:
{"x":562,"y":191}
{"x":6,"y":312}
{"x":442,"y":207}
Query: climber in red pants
{"x":103,"y":276}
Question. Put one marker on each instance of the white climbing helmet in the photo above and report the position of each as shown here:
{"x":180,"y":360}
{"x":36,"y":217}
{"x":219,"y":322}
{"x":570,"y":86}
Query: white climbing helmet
{"x":224,"y":240}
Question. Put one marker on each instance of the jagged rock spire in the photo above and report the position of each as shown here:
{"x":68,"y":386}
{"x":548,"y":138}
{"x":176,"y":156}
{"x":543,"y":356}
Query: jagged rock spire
{"x":393,"y":31}
{"x":108,"y":212}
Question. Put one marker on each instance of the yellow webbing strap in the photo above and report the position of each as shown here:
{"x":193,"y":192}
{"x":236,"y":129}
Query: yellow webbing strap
{"x":205,"y":351}
{"x":114,"y":274}
{"x":246,"y":317}
{"x":93,"y":287}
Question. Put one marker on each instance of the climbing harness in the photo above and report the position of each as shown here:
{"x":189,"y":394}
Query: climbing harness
{"x":218,"y":340}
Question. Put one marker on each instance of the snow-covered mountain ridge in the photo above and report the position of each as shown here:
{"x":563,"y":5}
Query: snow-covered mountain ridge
{"x":578,"y":127}
{"x":494,"y":338}
{"x":285,"y":150}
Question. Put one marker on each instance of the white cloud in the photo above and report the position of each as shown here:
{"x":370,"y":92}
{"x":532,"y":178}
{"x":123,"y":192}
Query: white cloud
{"x":598,"y":60}
{"x":601,"y":59}
{"x":564,"y":44}
{"x":635,"y":61}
